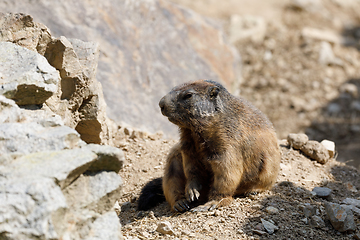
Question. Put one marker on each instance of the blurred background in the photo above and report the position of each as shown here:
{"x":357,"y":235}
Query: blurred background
{"x":301,"y":64}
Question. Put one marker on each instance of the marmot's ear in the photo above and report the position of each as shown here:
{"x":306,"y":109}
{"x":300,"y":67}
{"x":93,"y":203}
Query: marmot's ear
{"x":214,"y":91}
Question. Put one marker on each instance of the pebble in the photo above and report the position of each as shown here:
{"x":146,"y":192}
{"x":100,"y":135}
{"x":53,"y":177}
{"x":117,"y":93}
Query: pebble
{"x":165,"y":228}
{"x":340,"y":216}
{"x":258,"y":232}
{"x":351,"y":201}
{"x":322,"y":35}
{"x":271,"y":210}
{"x":297,"y":140}
{"x":322,"y":192}
{"x":350,"y":88}
{"x":330,"y":146}
{"x":269,"y":227}
{"x":305,"y":220}
{"x":308,"y":210}
{"x":326,"y":55}
{"x":316,"y":222}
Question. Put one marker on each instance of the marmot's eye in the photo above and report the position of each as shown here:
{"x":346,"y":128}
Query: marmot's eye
{"x":187,"y":96}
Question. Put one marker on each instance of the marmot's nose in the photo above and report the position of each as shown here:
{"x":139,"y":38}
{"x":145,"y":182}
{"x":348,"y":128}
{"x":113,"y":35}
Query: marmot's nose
{"x":162,"y":105}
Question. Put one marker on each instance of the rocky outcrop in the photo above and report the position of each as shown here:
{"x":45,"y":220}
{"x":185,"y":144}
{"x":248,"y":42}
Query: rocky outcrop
{"x":71,"y":92}
{"x":53,"y":184}
{"x":147,"y":47}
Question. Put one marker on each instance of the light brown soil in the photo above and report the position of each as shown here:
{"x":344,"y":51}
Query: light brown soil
{"x":298,"y":176}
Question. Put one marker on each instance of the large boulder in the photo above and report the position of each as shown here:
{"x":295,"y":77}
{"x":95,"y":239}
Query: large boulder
{"x":147,"y":47}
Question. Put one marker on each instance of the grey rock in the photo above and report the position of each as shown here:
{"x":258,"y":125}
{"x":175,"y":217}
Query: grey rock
{"x":97,"y":191}
{"x":309,"y":210}
{"x":316,"y":151}
{"x":297,"y":140}
{"x":269,"y":227}
{"x":171,"y":45}
{"x":109,"y":158}
{"x":322,"y":192}
{"x":271,"y":210}
{"x":351,"y":201}
{"x":9,"y":111}
{"x":33,"y":137}
{"x":259,"y":232}
{"x":27,"y":77}
{"x":30,"y":208}
{"x":340,"y":216}
{"x":105,"y":227}
{"x":62,"y":166}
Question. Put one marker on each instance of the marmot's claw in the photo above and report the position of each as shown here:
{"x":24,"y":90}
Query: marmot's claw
{"x":181,"y":205}
{"x":192,"y":195}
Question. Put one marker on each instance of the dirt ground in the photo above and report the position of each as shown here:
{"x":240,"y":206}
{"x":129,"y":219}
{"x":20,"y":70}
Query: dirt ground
{"x":283,"y":77}
{"x":299,"y":175}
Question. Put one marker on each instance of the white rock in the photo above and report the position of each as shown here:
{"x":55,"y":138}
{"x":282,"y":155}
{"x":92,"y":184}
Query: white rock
{"x":350,"y":88}
{"x":269,"y":227}
{"x":322,"y":35}
{"x":165,"y":227}
{"x":330,"y":146}
{"x":326,"y":55}
{"x":247,"y":27}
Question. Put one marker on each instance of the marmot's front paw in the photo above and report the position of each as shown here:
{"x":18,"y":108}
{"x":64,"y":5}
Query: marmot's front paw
{"x":181,"y":205}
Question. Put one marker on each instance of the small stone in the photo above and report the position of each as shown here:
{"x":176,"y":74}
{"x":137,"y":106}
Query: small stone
{"x":165,"y":228}
{"x":316,"y":151}
{"x":152,"y":215}
{"x":351,"y":201}
{"x":309,"y":210}
{"x":322,"y":35}
{"x":258,"y":232}
{"x":316,"y":222}
{"x":326,"y":55}
{"x":305,"y":220}
{"x":271,"y":210}
{"x":330,"y":146}
{"x":340,"y":216}
{"x":322,"y":192}
{"x":297,"y":140}
{"x":350,"y":89}
{"x":269,"y":227}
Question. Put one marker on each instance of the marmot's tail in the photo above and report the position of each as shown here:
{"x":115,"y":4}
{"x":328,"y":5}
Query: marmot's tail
{"x":151,"y":194}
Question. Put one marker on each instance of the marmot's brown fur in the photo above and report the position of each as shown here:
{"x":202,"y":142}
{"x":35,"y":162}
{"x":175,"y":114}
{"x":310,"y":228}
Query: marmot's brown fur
{"x":227,"y":147}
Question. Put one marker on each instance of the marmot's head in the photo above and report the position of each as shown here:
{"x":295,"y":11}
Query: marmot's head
{"x":193,"y":103}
